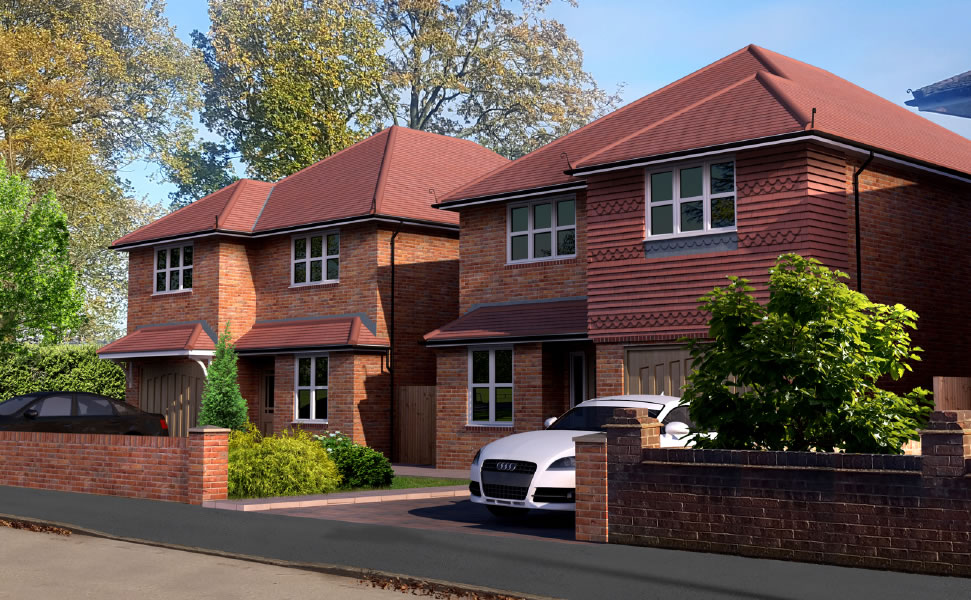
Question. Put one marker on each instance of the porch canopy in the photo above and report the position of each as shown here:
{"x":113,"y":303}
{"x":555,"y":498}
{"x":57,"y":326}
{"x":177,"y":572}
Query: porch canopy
{"x":349,"y":332}
{"x":191,"y":340}
{"x":561,"y":319}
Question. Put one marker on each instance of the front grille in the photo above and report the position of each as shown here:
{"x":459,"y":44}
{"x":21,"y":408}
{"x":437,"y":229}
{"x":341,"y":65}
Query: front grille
{"x":565,"y":495}
{"x":503,"y":466}
{"x":474,"y":488}
{"x":505,"y":492}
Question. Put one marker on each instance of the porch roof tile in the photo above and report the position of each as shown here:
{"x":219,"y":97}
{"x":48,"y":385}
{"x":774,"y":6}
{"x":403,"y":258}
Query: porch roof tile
{"x":552,"y":319}
{"x":175,"y":337}
{"x":309,"y":334}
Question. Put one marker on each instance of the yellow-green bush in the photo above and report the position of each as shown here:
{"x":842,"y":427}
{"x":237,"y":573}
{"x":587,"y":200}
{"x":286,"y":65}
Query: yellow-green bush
{"x":286,"y":464}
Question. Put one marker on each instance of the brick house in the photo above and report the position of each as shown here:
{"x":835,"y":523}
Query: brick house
{"x":582,"y":262}
{"x":302,"y":271}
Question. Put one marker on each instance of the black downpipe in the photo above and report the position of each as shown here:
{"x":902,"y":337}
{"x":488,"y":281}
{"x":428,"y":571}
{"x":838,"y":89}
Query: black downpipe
{"x":391,"y":348}
{"x":856,"y":205}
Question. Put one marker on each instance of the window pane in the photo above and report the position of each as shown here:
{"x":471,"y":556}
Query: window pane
{"x":503,"y":366}
{"x":691,"y":182}
{"x":722,"y":177}
{"x":299,"y":272}
{"x":320,"y":404}
{"x":520,"y":218}
{"x":161,"y":259}
{"x":566,"y":242}
{"x":93,"y":406}
{"x":174,"y":258}
{"x":316,"y":270}
{"x":160,"y":282}
{"x":503,"y":404}
{"x":320,"y":371}
{"x":303,"y":404}
{"x":661,"y":220}
{"x":661,"y":187}
{"x":187,"y":279}
{"x":542,"y":245}
{"x":565,"y":213}
{"x":54,"y":406}
{"x":173,"y":280}
{"x":333,"y":269}
{"x":316,"y":246}
{"x":480,"y":366}
{"x":187,"y":255}
{"x":723,"y":212}
{"x":300,"y":248}
{"x":542,"y":213}
{"x":692,"y":216}
{"x":303,"y":372}
{"x":520,"y":247}
{"x":480,"y":404}
{"x":333,"y":244}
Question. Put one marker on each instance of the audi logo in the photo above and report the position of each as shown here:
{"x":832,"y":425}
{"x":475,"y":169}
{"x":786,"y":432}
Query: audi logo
{"x":506,"y":466}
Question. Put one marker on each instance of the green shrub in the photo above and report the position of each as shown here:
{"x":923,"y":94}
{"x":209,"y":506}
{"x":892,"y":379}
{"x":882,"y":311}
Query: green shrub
{"x":286,"y":464}
{"x":222,"y":403}
{"x":74,"y":368}
{"x":359,"y":465}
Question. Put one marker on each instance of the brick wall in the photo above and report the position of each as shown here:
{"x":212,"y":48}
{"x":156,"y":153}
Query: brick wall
{"x":485,"y":276}
{"x":191,"y":470}
{"x":908,"y":513}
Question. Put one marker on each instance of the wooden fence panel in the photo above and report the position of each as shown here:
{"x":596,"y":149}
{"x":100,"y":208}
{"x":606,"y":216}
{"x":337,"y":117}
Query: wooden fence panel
{"x":415,"y":424}
{"x":952,"y":393}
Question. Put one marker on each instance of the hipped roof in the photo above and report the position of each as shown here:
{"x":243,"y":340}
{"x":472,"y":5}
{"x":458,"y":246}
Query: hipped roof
{"x":307,"y":334}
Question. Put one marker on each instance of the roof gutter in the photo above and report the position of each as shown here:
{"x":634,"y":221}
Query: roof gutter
{"x":492,"y":341}
{"x":528,"y":193}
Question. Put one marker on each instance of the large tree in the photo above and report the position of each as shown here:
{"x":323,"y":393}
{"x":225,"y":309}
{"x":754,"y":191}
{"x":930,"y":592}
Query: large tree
{"x":291,"y":81}
{"x":511,"y":80}
{"x":89,"y":86}
{"x":39,"y":299}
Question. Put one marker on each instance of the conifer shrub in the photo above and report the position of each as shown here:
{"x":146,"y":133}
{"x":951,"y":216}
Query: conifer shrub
{"x":222,"y":403}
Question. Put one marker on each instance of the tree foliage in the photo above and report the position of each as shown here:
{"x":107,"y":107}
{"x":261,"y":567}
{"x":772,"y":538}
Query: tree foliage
{"x":39,"y":297}
{"x":198,"y":169}
{"x":511,"y":80}
{"x":290,"y":82}
{"x":801,"y":371}
{"x":89,"y":87}
{"x":222,"y":403}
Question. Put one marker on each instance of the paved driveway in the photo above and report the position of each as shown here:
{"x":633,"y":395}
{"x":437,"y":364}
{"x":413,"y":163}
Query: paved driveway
{"x":444,"y":514}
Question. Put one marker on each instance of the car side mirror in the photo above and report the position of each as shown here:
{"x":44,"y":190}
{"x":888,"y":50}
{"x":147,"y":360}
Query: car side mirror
{"x":548,"y":422}
{"x":31,"y":413}
{"x":677,"y":428}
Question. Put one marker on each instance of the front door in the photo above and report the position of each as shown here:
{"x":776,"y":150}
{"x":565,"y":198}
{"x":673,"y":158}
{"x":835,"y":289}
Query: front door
{"x":578,"y":378}
{"x":266,"y":406}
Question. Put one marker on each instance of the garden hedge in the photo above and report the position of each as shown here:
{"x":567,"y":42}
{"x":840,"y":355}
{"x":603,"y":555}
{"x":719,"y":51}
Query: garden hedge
{"x":66,"y":367}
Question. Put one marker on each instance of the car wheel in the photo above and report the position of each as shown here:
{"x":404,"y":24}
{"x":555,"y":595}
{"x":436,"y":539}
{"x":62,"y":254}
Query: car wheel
{"x":507,"y":512}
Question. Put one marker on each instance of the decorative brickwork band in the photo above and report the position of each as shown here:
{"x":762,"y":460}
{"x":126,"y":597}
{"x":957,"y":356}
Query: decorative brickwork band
{"x":679,"y":318}
{"x":616,"y":207}
{"x":774,"y":237}
{"x":770,"y":185}
{"x":615,"y":253}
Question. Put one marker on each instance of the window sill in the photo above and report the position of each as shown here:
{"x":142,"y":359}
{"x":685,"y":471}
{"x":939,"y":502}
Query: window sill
{"x":308,"y":422}
{"x":488,"y":427}
{"x":719,"y":241}
{"x":541,"y":261}
{"x":175,"y":293}
{"x":314,"y":284}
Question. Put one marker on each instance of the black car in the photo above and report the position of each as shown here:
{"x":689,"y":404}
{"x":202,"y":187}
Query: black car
{"x":76,"y":412}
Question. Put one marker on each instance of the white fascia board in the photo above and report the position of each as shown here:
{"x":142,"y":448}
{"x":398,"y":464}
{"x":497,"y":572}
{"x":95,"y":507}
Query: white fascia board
{"x":157,"y":354}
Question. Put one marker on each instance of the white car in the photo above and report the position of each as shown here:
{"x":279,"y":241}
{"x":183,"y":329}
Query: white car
{"x":537,"y":469}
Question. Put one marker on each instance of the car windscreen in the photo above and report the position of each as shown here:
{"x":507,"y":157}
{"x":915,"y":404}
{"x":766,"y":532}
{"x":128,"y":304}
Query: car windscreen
{"x":16,"y":403}
{"x":592,"y":418}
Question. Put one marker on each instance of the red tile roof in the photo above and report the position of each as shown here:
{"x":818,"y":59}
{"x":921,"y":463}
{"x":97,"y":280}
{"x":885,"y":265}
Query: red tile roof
{"x":550,"y":319}
{"x":296,"y":334}
{"x":398,"y":172}
{"x":162,"y":338}
{"x":750,"y":94}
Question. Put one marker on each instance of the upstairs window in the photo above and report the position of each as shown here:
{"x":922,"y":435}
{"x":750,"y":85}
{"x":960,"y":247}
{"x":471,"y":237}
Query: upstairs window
{"x":542,"y":230}
{"x":173,"y":269}
{"x":316,"y":258}
{"x":691,"y":199}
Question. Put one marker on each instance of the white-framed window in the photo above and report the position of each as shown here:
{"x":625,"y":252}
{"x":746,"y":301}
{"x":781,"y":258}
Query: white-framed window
{"x":310,"y":397}
{"x":691,"y":198}
{"x":541,"y":230}
{"x":173,"y":269}
{"x":490,"y":386}
{"x":315,"y":258}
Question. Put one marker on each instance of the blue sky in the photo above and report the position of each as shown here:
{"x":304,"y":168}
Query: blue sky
{"x":885,"y":47}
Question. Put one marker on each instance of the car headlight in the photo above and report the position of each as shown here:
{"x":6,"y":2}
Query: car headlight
{"x":567,"y":463}
{"x":475,"y":460}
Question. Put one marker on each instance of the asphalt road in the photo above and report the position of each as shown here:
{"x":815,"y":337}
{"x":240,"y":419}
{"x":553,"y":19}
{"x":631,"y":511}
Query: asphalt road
{"x":43,"y":565}
{"x":547,"y":568}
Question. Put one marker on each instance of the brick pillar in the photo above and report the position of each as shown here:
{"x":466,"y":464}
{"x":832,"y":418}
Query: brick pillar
{"x":208,"y":464}
{"x":591,"y":492}
{"x":600,"y":458}
{"x":610,"y":370}
{"x":945,"y":446}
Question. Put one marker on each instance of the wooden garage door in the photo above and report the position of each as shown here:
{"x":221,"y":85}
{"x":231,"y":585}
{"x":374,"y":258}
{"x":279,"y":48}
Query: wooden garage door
{"x":656,"y":370}
{"x":175,"y":392}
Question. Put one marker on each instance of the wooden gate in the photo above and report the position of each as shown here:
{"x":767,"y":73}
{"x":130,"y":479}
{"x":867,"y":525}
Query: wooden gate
{"x":173,"y":391}
{"x":952,"y":393}
{"x":415,"y":425}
